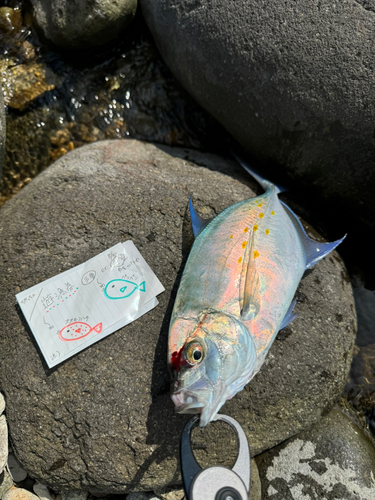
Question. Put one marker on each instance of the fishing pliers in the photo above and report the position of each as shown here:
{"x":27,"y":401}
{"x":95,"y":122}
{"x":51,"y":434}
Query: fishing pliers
{"x":215,"y":483}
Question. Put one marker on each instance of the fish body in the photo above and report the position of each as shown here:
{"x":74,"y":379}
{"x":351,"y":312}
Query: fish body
{"x":235,"y":295}
{"x":121,"y":289}
{"x":78,"y":330}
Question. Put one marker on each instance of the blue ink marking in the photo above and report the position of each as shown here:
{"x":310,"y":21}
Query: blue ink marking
{"x":117,"y":289}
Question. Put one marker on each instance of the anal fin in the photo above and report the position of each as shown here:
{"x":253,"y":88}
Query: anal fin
{"x":289,"y":316}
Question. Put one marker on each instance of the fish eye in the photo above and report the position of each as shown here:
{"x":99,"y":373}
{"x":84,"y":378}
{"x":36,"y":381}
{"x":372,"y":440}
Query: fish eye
{"x":194,"y":353}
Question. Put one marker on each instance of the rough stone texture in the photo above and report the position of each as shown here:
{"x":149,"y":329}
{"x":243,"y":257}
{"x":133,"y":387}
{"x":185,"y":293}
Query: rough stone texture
{"x":333,"y":460}
{"x":293,"y":82}
{"x":42,"y":491}
{"x":18,"y":473}
{"x":83,"y":23}
{"x":2,"y":132}
{"x":2,"y":403}
{"x":255,"y":484}
{"x":19,"y":494}
{"x":103,"y":420}
{"x":74,"y":495}
{"x":6,"y":482}
{"x":3,"y":443}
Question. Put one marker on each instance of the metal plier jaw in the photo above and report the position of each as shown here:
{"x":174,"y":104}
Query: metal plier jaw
{"x":215,"y":483}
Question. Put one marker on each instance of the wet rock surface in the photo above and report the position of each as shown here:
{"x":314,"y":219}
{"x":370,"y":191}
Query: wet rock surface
{"x":290,"y":81}
{"x":83,"y":23}
{"x":57,"y":102}
{"x":103,"y":421}
{"x":332,"y":460}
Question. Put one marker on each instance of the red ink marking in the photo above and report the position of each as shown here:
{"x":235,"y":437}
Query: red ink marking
{"x":70,"y":332}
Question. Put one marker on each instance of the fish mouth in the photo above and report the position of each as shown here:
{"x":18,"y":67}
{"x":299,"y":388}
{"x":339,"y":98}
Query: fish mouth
{"x":186,"y":402}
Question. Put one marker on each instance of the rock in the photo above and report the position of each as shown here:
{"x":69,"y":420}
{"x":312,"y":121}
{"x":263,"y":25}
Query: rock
{"x":42,"y":491}
{"x":74,"y":495}
{"x":255,"y":485}
{"x":2,"y":403}
{"x":6,"y":482}
{"x":103,"y":421}
{"x":139,"y":496}
{"x":334,"y":459}
{"x":3,"y":443}
{"x":18,"y":473}
{"x":2,"y":132}
{"x":25,"y":82}
{"x":10,"y":20}
{"x":19,"y":494}
{"x":85,"y":23}
{"x":292,"y":82}
{"x":173,"y":495}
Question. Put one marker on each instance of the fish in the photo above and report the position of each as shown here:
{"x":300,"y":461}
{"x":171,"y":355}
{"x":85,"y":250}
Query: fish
{"x":121,"y":289}
{"x":78,"y":330}
{"x":235,"y":294}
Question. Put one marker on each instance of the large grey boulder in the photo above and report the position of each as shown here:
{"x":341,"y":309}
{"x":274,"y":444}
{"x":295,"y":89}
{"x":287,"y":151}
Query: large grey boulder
{"x":293,"y":82}
{"x":83,"y":23}
{"x":103,"y":420}
{"x":333,"y":460}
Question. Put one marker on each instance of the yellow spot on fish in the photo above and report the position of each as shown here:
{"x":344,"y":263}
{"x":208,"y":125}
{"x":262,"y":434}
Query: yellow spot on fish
{"x":244,"y":244}
{"x":255,"y":227}
{"x":261,"y":215}
{"x":267,"y":231}
{"x":256,"y":254}
{"x":272,"y":212}
{"x":260,"y":205}
{"x":245,"y":230}
{"x":231,"y":236}
{"x":239,"y":260}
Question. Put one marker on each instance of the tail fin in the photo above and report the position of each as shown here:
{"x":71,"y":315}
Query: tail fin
{"x":142,"y":286}
{"x":254,"y":173}
{"x":98,"y":327}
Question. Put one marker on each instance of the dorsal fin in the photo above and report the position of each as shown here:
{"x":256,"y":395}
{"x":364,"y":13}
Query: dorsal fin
{"x":197,"y":222}
{"x":250,"y":283}
{"x":315,"y":251}
{"x":254,"y":173}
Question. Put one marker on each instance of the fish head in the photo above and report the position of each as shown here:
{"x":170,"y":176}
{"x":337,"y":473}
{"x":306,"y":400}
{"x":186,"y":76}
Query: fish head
{"x":214,"y":362}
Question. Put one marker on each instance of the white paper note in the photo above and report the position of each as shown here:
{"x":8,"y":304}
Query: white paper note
{"x":75,"y":309}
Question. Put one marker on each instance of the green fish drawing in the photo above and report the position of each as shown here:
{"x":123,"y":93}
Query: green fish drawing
{"x":122,"y":289}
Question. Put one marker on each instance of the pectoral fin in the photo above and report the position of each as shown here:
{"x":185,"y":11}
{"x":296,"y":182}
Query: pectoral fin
{"x":250,"y":298}
{"x":197,"y":222}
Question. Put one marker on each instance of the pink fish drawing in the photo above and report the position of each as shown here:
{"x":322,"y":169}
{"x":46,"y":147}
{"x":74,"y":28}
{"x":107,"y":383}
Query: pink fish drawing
{"x":78,"y":330}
